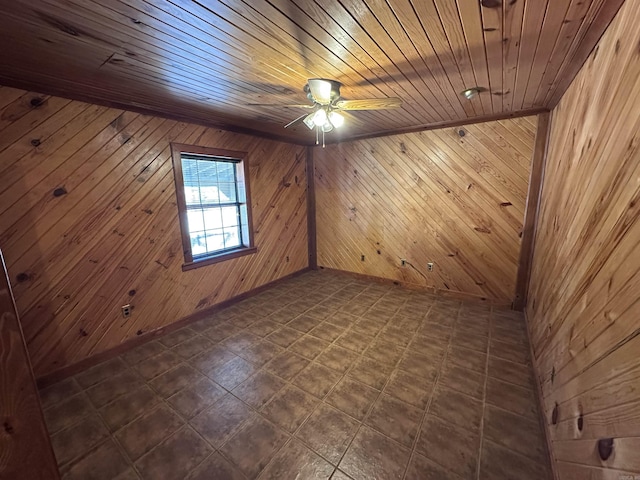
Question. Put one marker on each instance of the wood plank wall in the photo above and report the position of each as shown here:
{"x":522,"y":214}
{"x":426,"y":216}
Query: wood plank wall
{"x":88,"y":223}
{"x":454,"y":197}
{"x":584,"y":296}
{"x":25,"y":450}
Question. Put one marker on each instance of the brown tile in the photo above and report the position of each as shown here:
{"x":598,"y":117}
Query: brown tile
{"x":258,"y":390}
{"x":439,"y":332}
{"x":450,"y":446}
{"x":372,"y":455}
{"x":264,"y":327}
{"x":58,"y":392}
{"x":395,"y":419}
{"x":337,"y":358}
{"x":175,"y":380}
{"x":356,"y":341}
{"x":232,"y":373}
{"x":105,"y":462}
{"x":304,"y":323}
{"x":287,"y":365}
{"x":421,"y":468}
{"x":174,"y":338}
{"x":245,"y":319}
{"x":510,"y":335}
{"x":114,"y":387}
{"x":221,"y":331}
{"x":101,"y":372}
{"x":320,"y":312}
{"x":64,"y":414}
{"x":499,"y":463}
{"x":196,"y":397}
{"x":327,"y":331}
{"x":516,"y":373}
{"x":510,"y":397}
{"x":213,"y":358}
{"x":216,"y":467}
{"x":289,"y":408}
{"x":457,"y":408}
{"x":328,"y":432}
{"x":354,"y":308}
{"x":371,"y":372}
{"x":128,"y":407}
{"x":296,"y":461}
{"x":512,"y":431}
{"x":342,"y":319}
{"x":409,"y":388}
{"x":76,"y":440}
{"x":193,"y":346}
{"x":261,"y":352}
{"x":285,"y":336}
{"x":309,"y":347}
{"x":463,"y":380}
{"x":467,"y":358}
{"x":475,"y":342}
{"x":419,"y":365}
{"x":254,"y":446}
{"x":368,"y":326}
{"x":221,"y":420}
{"x":514,"y":352}
{"x":204,"y":324}
{"x":128,"y":474}
{"x":141,"y":435}
{"x":472,"y":326}
{"x":238,"y":342}
{"x":397,"y":335}
{"x":154,"y":366}
{"x":406,"y":323}
{"x":317,"y":379}
{"x":352,"y":397}
{"x":175,"y":457}
{"x":427,"y":346}
{"x":340,"y":475}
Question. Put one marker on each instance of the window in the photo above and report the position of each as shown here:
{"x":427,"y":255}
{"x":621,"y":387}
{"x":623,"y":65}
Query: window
{"x":212,"y":188}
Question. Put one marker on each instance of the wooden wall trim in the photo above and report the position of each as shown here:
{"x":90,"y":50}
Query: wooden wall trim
{"x":24,"y":440}
{"x":82,"y":365}
{"x":466,"y":297}
{"x":311,"y":210}
{"x":536,"y":180}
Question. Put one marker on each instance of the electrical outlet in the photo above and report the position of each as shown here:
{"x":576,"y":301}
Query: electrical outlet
{"x":403,"y":262}
{"x":362,"y":258}
{"x":430,"y":266}
{"x":126,"y":310}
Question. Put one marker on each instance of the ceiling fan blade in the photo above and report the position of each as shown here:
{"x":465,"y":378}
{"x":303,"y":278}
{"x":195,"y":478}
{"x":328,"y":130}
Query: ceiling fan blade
{"x":324,"y":91}
{"x":297,"y":120}
{"x":369,"y":104}
{"x":295,"y":105}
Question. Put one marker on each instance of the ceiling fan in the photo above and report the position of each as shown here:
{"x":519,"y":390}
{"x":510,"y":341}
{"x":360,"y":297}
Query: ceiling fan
{"x":327,"y":105}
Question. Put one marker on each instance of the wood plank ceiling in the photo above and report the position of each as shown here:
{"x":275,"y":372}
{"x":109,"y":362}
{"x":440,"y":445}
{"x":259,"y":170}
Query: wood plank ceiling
{"x":207,"y":61}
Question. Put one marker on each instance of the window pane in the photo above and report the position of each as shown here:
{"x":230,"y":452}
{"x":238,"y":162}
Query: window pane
{"x":226,"y":172}
{"x":212,"y":218}
{"x":227,"y":192}
{"x":244,"y":222}
{"x":198,"y":243}
{"x":231,"y":237}
{"x":195,"y":219}
{"x":229,"y":216}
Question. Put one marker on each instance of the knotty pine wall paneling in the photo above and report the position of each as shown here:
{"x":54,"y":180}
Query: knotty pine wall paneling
{"x":88,"y":223}
{"x":453,"y":196}
{"x":584,"y":297}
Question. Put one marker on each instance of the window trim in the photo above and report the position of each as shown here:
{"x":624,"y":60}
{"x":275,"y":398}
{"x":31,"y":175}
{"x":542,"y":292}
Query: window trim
{"x":177,"y":150}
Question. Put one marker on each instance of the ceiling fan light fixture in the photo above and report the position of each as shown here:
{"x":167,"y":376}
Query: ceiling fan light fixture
{"x":320,"y":117}
{"x":470,"y":93}
{"x":336,"y":119}
{"x":308,"y":121}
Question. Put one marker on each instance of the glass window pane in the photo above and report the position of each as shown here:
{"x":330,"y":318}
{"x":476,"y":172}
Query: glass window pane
{"x":212,"y":218}
{"x":226,"y":172}
{"x":231,"y":237}
{"x":229,"y":216}
{"x":195,"y":220}
{"x":215,"y":240}
{"x":198,"y":243}
{"x":227,"y":192}
{"x":244,"y":223}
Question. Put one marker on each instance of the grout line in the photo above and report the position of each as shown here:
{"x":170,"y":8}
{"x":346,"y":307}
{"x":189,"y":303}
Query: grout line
{"x":484,"y":399}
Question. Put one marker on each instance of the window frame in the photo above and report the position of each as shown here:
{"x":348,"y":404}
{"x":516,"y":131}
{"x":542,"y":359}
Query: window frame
{"x":242,"y":175}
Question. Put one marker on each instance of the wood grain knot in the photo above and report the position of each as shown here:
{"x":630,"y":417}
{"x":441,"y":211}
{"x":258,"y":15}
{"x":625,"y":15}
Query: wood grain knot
{"x":35,"y":142}
{"x":8,"y":428}
{"x":462,"y":133}
{"x":132,"y":293}
{"x":22,"y":277}
{"x":37,"y":101}
{"x":491,"y":3}
{"x":605,"y":448}
{"x":580,"y":422}
{"x":554,"y":415}
{"x":58,"y":192}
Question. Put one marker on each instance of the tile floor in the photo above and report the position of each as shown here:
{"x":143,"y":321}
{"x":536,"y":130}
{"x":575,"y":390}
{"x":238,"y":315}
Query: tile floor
{"x":322,"y":376}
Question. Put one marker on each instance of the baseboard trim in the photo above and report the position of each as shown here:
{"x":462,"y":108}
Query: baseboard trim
{"x":543,"y":421}
{"x":73,"y":369}
{"x":469,"y":297}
